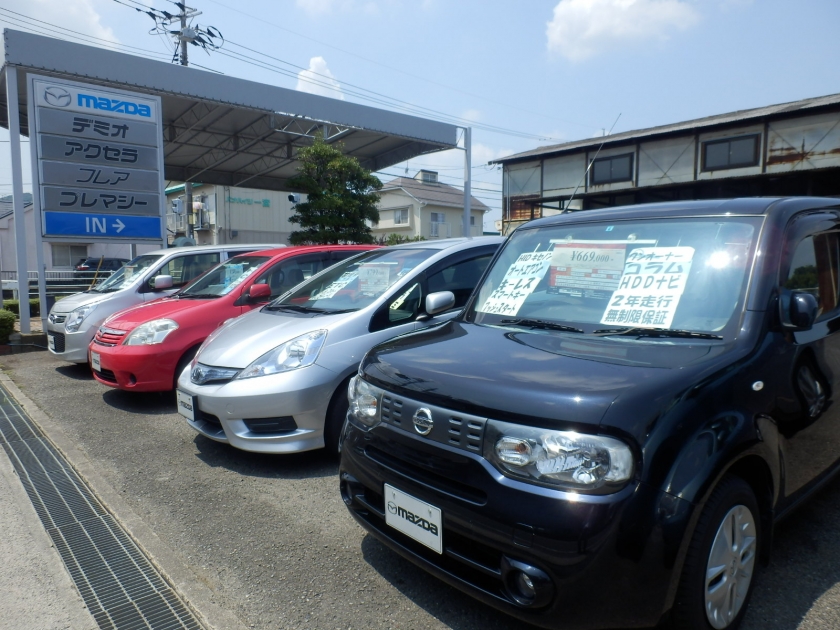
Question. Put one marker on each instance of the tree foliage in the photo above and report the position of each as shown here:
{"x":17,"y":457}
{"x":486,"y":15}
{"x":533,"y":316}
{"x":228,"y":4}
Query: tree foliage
{"x":398,"y":239}
{"x":341,"y":196}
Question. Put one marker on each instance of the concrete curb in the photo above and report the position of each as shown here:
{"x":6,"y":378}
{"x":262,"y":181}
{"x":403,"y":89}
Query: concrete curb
{"x":172,"y":565}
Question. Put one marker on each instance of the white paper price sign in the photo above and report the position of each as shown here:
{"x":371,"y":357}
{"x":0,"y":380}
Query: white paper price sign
{"x":343,"y":280}
{"x":374,"y":278}
{"x":650,"y":288}
{"x":519,"y":282}
{"x":586,"y":267}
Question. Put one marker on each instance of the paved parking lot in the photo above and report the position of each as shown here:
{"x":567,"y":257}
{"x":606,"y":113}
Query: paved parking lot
{"x":266,"y":540}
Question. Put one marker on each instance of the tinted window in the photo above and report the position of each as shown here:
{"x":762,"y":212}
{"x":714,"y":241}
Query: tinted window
{"x":730,"y":153}
{"x":184,"y":269}
{"x":460,"y":278}
{"x":225,"y":277}
{"x":288,"y":274}
{"x":814,"y":269}
{"x":618,"y":168}
{"x":128,"y":274}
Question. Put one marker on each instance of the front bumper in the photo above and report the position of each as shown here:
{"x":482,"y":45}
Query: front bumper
{"x":610,"y":558}
{"x":71,"y":347}
{"x":137,"y":368}
{"x":280,"y":413}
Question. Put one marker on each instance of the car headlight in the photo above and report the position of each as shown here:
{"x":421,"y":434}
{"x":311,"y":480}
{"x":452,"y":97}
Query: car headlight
{"x":295,"y":353}
{"x":364,"y":401}
{"x":151,"y":332}
{"x":574,"y":461}
{"x":77,"y":316}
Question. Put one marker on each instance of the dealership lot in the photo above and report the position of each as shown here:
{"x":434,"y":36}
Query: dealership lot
{"x":267,"y":540}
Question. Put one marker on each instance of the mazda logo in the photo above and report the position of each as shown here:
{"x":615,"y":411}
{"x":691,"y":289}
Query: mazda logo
{"x":423,"y":422}
{"x":392,"y":507}
{"x":57,"y":96}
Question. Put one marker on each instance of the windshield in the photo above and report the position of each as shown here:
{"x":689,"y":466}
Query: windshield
{"x":127,"y":275}
{"x":354,"y":283}
{"x":685,"y":277}
{"x":223,"y":278}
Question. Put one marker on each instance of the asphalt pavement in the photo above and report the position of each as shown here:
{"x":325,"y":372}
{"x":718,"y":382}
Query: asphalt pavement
{"x":258,"y":541}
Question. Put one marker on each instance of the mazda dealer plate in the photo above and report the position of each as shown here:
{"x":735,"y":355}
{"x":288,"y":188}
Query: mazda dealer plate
{"x":186,"y":405}
{"x":95,"y":363}
{"x":414,"y":518}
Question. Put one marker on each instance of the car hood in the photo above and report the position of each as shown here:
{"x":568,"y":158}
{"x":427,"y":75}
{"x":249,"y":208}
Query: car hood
{"x":76,"y":300}
{"x":243,"y":340}
{"x":168,"y":308}
{"x":521,"y":376}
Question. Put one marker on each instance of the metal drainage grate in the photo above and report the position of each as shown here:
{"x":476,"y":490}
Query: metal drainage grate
{"x":120,"y":586}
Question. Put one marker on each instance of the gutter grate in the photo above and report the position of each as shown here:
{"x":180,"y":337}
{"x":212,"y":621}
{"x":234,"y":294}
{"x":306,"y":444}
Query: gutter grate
{"x":120,"y":586}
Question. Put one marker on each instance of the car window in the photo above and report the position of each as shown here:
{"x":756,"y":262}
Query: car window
{"x":188,"y":267}
{"x":814,"y":269}
{"x":127,"y":274}
{"x":459,"y":278}
{"x":289,"y":273}
{"x":224,"y":278}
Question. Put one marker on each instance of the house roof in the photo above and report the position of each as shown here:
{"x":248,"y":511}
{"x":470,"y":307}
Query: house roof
{"x":740,"y":116}
{"x":437,"y":193}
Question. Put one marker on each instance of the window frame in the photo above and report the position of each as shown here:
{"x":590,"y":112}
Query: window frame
{"x":756,"y":137}
{"x":71,"y":264}
{"x":612,"y":179}
{"x":400,"y":211}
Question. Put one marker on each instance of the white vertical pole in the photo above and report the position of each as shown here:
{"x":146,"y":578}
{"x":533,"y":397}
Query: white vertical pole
{"x":17,"y":196}
{"x":37,"y":211}
{"x":467,"y":180}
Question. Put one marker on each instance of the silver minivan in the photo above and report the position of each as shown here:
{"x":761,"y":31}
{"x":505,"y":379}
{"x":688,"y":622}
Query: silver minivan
{"x":73,"y":321}
{"x":275,"y":380}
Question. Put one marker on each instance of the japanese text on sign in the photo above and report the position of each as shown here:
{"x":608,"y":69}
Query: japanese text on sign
{"x":374,"y":278}
{"x":650,"y":288}
{"x":519,"y":282}
{"x":343,"y":280}
{"x":586,"y":267}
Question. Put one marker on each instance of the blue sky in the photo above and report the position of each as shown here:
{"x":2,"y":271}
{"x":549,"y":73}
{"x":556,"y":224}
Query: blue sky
{"x":553,"y":70}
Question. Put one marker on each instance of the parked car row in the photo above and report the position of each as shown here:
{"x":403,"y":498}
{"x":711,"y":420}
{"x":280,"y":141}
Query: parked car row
{"x":593,"y":424}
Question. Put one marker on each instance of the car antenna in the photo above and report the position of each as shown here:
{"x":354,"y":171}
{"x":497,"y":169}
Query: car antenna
{"x":592,"y":161}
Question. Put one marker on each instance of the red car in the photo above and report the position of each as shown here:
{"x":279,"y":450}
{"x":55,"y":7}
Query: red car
{"x":145,"y":348}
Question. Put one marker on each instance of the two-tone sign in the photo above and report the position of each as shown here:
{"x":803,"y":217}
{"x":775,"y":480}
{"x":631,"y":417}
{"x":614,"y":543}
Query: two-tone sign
{"x":100,"y":161}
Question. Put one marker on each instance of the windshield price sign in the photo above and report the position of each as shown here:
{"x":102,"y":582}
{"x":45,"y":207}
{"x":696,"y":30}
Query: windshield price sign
{"x":99,"y":153}
{"x":520,"y":280}
{"x":650,"y":288}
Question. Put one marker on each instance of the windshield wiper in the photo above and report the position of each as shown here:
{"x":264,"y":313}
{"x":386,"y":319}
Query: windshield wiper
{"x":657,"y":332}
{"x":197,"y":296}
{"x":294,"y":307}
{"x":540,"y":324}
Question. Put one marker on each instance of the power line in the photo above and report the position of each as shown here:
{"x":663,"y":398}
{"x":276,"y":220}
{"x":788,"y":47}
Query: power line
{"x":262,"y":20}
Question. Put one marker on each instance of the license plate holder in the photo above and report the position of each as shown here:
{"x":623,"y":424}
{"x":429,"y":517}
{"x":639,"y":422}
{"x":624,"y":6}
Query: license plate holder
{"x":415,"y":518}
{"x":186,"y":405}
{"x":95,"y":361}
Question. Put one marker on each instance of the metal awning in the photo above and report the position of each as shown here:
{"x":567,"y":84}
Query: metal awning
{"x":224,"y":130}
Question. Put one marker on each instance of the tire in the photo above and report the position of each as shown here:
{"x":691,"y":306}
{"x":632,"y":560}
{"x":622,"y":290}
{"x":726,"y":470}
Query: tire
{"x":811,"y":389}
{"x":719,"y":601}
{"x":336,"y":415}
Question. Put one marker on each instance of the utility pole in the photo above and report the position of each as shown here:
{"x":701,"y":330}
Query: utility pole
{"x":186,"y":36}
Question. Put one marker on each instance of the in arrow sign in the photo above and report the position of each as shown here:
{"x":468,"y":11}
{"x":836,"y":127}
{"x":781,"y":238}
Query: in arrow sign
{"x":119,"y":225}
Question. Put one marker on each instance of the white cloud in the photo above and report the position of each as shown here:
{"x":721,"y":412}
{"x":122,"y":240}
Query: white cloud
{"x":583,"y":28}
{"x":318,"y":79}
{"x":78,"y":15}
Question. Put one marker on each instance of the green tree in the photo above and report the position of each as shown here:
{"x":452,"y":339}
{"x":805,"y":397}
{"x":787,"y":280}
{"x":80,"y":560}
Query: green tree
{"x":341,"y":195}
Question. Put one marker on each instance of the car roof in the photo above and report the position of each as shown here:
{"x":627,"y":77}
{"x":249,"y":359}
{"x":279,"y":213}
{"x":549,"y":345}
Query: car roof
{"x":446,"y":243}
{"x":709,"y":207}
{"x":217,"y":248}
{"x":302,"y":249}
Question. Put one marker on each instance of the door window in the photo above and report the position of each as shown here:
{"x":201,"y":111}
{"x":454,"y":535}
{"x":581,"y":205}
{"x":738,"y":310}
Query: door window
{"x":814,"y":269}
{"x":460,"y":278}
{"x":184,"y":269}
{"x":290,"y":273}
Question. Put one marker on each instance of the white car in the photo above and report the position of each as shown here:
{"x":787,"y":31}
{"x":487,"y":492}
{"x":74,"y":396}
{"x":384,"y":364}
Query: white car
{"x":73,"y":321}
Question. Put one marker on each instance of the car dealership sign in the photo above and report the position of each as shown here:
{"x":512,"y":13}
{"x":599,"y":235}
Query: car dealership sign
{"x":99,"y":155}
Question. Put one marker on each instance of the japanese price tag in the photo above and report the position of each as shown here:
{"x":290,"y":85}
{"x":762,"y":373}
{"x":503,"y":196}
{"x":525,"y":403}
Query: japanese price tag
{"x":590,"y":268}
{"x":650,"y":288}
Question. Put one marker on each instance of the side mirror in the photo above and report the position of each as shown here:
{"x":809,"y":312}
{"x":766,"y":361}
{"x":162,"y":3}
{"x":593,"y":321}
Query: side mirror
{"x":162,"y":282}
{"x":439,"y":302}
{"x":797,"y":310}
{"x":259,"y":291}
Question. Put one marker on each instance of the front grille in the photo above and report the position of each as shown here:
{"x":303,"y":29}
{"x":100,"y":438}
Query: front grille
{"x":58,"y":341}
{"x":106,"y":375}
{"x":283,"y":424}
{"x":57,"y":319}
{"x":413,"y":468}
{"x":462,"y":431}
{"x":109,"y":336}
{"x":207,"y":417}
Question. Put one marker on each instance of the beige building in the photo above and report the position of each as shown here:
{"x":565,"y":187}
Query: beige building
{"x":422,"y":206}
